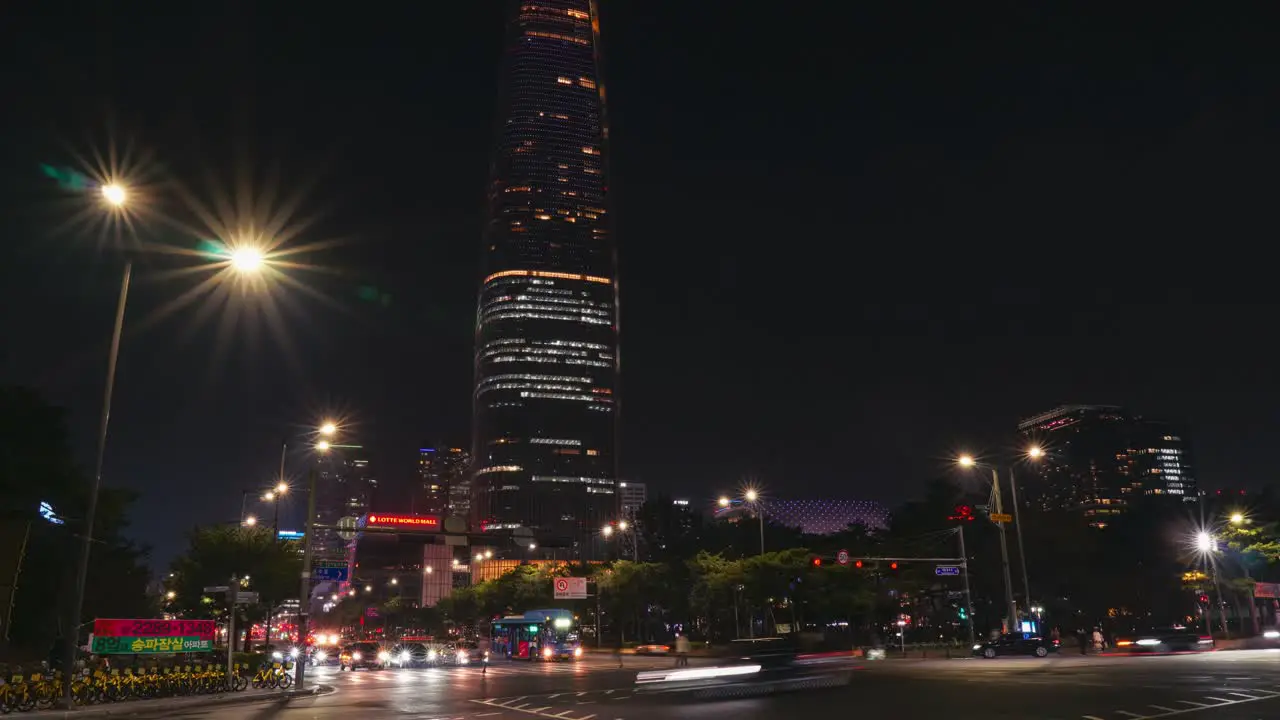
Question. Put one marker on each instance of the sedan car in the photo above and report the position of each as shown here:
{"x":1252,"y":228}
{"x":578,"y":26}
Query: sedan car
{"x":1016,"y":644}
{"x":1164,"y":639}
{"x":413,"y":654}
{"x":368,"y":655}
{"x":653,"y":649}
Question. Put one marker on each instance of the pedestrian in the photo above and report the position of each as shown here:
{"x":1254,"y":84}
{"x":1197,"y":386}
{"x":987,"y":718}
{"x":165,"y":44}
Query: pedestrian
{"x":1097,"y":640}
{"x":682,"y":650}
{"x":1082,"y":641}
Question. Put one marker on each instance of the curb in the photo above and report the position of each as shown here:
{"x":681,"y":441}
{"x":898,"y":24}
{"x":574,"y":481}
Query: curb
{"x":133,"y":708}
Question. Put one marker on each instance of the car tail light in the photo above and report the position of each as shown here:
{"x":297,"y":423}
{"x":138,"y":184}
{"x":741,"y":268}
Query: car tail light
{"x":1206,"y":639}
{"x":1124,"y":643}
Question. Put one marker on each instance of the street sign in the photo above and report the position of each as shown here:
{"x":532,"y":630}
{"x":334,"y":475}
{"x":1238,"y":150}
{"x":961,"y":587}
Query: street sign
{"x":947,"y":570}
{"x":246,"y":598}
{"x":335,"y":574}
{"x":1001,"y":517}
{"x":842,"y":557}
{"x":571,"y":588}
{"x":329,"y":564}
{"x":216,"y":588}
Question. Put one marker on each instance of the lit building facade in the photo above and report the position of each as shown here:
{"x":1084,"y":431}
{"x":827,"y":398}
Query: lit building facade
{"x":631,"y":497}
{"x":444,"y":490}
{"x":815,"y":517}
{"x":1100,"y":458}
{"x":546,"y":358}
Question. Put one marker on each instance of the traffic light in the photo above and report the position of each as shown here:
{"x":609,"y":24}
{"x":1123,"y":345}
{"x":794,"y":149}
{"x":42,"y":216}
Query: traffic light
{"x":1204,"y":599}
{"x":961,"y":513}
{"x":893,"y":566}
{"x":817,"y":562}
{"x":857,"y":564}
{"x":964,"y":614}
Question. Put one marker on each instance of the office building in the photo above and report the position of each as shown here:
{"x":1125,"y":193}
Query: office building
{"x":345,"y":490}
{"x":444,"y":490}
{"x":1101,"y":458}
{"x":631,"y":497}
{"x":546,"y":357}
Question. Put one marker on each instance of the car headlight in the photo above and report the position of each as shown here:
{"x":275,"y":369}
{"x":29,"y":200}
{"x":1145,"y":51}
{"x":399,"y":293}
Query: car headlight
{"x":1271,"y":634}
{"x":277,"y":655}
{"x":293,"y":653}
{"x":462,"y":656}
{"x":577,"y":652}
{"x":404,"y":656}
{"x":432,"y":654}
{"x":320,"y":656}
{"x":355,"y":656}
{"x":977,"y":647}
{"x":546,"y":652}
{"x":333,"y":639}
{"x":1148,"y":641}
{"x":384,"y":656}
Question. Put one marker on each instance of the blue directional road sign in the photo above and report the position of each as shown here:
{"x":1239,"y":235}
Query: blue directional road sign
{"x":947,"y":570}
{"x":336,"y":574}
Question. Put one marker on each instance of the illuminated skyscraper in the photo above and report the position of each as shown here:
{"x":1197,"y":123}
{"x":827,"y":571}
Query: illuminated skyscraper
{"x":546,"y":361}
{"x":443,"y":473}
{"x":1102,"y":458}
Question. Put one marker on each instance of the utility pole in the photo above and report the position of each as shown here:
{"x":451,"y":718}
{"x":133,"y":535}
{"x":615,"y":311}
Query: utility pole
{"x":233,"y":589}
{"x":968,"y":598}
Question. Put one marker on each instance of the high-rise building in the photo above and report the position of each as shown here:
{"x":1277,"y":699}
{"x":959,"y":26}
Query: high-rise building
{"x":631,"y":497}
{"x":444,"y":490}
{"x":345,"y":488}
{"x":546,"y":358}
{"x":1100,"y":458}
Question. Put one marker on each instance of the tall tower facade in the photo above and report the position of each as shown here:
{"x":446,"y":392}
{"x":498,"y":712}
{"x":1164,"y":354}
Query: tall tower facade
{"x":546,"y":352}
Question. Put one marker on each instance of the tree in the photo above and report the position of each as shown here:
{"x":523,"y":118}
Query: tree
{"x":39,"y":554}
{"x":214,"y":554}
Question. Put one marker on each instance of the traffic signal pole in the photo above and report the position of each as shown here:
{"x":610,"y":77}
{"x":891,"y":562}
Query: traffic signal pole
{"x":968,"y":598}
{"x":304,"y":594}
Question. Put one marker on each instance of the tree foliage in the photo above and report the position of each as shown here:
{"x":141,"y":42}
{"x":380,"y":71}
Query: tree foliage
{"x":37,"y":465}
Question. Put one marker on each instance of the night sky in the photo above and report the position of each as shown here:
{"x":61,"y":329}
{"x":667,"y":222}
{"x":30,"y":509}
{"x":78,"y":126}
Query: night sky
{"x":854,"y":240}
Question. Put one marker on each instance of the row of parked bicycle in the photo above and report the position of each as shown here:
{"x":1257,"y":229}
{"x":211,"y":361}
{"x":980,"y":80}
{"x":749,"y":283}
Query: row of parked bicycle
{"x":25,"y":692}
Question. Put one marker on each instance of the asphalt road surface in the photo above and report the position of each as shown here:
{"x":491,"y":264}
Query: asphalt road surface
{"x":1243,"y":685}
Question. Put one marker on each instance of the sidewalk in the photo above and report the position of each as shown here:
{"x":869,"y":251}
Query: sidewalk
{"x":163,"y":707}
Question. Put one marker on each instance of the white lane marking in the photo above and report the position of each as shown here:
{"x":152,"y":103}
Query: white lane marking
{"x":566,"y":712}
{"x":1126,"y":713}
{"x":1192,"y":702}
{"x":1218,"y":699}
{"x":581,"y":694}
{"x":553,"y":697}
{"x":1161,"y":707}
{"x":487,"y":714}
{"x":538,"y":710}
{"x":1091,"y":717}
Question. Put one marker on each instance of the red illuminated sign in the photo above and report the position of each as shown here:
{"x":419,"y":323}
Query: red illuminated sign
{"x":424,"y":522}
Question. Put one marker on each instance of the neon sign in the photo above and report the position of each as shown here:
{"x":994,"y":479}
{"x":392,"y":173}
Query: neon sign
{"x":425,"y":522}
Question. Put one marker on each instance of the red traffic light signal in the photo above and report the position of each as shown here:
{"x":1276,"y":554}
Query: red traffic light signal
{"x":817,"y":562}
{"x":893,"y":566}
{"x":857,"y":564}
{"x":1204,"y":599}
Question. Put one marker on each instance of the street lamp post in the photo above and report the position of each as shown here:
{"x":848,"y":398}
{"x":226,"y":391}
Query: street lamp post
{"x":968,"y":461}
{"x":308,"y":540}
{"x":116,"y":198}
{"x":753,"y":497}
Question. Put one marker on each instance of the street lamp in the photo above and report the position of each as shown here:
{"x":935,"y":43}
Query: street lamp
{"x":115,"y":195}
{"x":1206,"y":544}
{"x":368,"y":588}
{"x":723,"y":501}
{"x":430,"y":570}
{"x":250,"y":521}
{"x":607,"y":530}
{"x":1237,"y":518}
{"x":968,"y":461}
{"x":322,"y":446}
{"x":170,"y":595}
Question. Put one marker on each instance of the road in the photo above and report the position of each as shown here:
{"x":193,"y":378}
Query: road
{"x":1243,"y":685}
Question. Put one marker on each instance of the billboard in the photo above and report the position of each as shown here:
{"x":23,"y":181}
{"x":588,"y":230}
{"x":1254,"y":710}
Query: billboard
{"x":406,"y":522}
{"x":111,"y":627}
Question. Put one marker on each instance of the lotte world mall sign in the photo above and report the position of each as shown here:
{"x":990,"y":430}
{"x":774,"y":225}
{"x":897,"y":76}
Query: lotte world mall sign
{"x":403,"y":522}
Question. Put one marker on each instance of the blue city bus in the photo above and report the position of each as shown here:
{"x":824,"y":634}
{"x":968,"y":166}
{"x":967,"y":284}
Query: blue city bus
{"x":536,"y":635}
